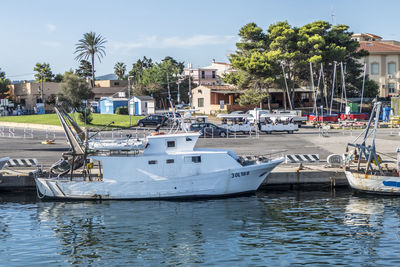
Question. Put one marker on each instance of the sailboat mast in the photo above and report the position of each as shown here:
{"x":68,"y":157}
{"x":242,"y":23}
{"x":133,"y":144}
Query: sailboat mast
{"x":333,"y":86}
{"x":363,"y":85}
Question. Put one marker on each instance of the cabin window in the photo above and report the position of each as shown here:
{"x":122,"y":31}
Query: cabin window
{"x":203,"y":74}
{"x":196,"y":159}
{"x":170,"y":161}
{"x":192,"y":159}
{"x":170,"y":143}
{"x":213,"y":74}
{"x":152,"y":161}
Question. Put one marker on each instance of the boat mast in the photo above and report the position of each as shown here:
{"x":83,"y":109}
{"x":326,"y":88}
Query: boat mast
{"x":333,"y":86}
{"x":286,"y":85}
{"x":363,"y":85}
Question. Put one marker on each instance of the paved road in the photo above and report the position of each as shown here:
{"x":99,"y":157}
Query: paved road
{"x":306,"y":141}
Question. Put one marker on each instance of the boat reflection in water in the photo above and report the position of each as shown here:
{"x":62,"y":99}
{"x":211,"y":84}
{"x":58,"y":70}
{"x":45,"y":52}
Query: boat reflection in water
{"x":269,"y":229}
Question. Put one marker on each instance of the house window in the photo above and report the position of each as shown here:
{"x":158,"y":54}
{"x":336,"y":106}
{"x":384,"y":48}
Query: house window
{"x":152,"y":161}
{"x":391,"y":88}
{"x":116,"y":83}
{"x":213,"y":74}
{"x":203,"y":74}
{"x":170,"y":143}
{"x":304,"y":97}
{"x":200,"y":102}
{"x":391,"y":68}
{"x":374,"y":68}
{"x":169,"y":161}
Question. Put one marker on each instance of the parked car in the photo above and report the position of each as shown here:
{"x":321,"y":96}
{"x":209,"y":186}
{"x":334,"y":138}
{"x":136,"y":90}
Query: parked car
{"x":237,"y":112}
{"x":209,"y":129}
{"x":182,"y":106}
{"x":153,"y":120}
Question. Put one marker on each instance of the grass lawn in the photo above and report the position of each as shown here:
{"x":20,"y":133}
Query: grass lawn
{"x":98,"y":119}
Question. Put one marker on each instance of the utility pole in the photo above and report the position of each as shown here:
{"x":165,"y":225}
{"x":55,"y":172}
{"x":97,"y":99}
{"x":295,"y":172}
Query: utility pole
{"x":179,"y":94}
{"x":129,"y":99}
{"x":41,"y":89}
{"x":190,"y":85}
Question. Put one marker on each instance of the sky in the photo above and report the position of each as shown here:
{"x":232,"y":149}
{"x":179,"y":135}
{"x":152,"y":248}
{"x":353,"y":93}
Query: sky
{"x":196,"y":31}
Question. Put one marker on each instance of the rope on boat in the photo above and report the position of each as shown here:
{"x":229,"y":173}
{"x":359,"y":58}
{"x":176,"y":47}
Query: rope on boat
{"x":38,"y":193}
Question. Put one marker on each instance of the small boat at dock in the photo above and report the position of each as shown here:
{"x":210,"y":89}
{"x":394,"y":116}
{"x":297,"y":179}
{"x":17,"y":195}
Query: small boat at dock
{"x":369,"y":175}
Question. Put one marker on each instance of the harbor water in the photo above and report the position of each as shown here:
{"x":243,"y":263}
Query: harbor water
{"x":269,"y":228}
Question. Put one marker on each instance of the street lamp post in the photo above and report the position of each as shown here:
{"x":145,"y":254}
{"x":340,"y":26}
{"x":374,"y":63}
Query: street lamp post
{"x":129,"y":99}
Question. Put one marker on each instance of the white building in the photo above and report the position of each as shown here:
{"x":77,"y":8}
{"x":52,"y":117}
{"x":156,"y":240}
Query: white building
{"x":142,"y":105}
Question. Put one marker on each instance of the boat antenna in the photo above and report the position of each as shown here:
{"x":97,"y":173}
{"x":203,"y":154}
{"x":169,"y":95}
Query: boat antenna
{"x":363,"y":85}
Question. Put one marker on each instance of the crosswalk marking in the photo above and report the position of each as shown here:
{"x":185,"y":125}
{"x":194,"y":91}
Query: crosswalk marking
{"x":301,"y":158}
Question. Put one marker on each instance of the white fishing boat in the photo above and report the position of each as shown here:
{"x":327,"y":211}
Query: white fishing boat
{"x":169,"y":166}
{"x":369,"y":176}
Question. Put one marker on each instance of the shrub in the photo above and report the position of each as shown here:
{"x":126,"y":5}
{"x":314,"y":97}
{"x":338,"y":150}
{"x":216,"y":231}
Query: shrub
{"x":122,"y":111}
{"x":89,"y":116}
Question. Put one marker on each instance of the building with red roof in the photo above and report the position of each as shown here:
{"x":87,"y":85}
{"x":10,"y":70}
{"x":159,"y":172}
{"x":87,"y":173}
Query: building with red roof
{"x":383,"y":62}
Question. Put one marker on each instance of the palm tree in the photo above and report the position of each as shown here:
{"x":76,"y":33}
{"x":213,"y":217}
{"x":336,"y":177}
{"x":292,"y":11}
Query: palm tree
{"x":90,"y":45}
{"x":119,"y":70}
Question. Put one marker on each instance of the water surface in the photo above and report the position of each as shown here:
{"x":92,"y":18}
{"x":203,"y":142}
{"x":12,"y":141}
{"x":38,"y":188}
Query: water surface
{"x":270,"y":228}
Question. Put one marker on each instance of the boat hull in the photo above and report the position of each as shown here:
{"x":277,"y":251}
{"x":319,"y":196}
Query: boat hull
{"x":222,"y":183}
{"x":374,"y":184}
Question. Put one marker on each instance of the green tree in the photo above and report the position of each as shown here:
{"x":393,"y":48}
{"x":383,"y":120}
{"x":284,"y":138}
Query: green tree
{"x":137,"y":72}
{"x":89,"y":46}
{"x":58,"y":78}
{"x":119,"y":70}
{"x":260,"y":56}
{"x":4,"y":83}
{"x":157,"y":78}
{"x":43,"y":72}
{"x":84,"y":70}
{"x":73,"y":91}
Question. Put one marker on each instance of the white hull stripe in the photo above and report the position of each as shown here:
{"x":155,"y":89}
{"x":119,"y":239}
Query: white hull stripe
{"x":22,"y":163}
{"x":301,"y":158}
